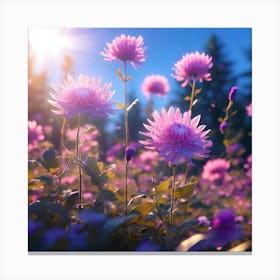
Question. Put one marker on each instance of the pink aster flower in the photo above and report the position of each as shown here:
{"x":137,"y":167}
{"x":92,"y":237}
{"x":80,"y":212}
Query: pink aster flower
{"x":155,"y":84}
{"x":35,"y":135}
{"x":215,"y":169}
{"x":81,"y":97}
{"x":126,"y":48}
{"x":193,"y":66}
{"x":176,"y":136}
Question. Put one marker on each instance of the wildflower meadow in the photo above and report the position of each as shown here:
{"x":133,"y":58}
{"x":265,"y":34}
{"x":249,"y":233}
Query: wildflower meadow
{"x":138,"y":140}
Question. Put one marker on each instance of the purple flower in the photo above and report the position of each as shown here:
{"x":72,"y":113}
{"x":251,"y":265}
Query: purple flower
{"x":129,"y":153}
{"x":155,"y":84}
{"x":35,"y":135}
{"x":176,"y":136}
{"x":231,"y":94}
{"x":215,"y":169}
{"x":193,"y":66}
{"x":81,"y":97}
{"x":126,"y":48}
{"x":147,"y":245}
{"x":223,"y":126}
{"x":249,"y":110}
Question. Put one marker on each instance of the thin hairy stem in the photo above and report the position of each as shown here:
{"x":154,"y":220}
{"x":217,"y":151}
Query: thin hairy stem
{"x":78,"y":156}
{"x":173,"y":194}
{"x":192,"y":96}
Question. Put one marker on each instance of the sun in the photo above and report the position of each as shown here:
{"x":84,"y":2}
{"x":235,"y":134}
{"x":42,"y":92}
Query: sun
{"x":48,"y":43}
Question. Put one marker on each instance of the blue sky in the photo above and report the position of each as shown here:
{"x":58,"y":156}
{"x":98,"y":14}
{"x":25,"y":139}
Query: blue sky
{"x":165,"y":46}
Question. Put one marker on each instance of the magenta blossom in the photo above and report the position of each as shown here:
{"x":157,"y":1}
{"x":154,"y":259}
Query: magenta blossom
{"x":35,"y":135}
{"x":155,"y":84}
{"x":193,"y":66}
{"x":215,"y":169}
{"x":176,"y":136}
{"x":81,"y":97}
{"x":126,"y":48}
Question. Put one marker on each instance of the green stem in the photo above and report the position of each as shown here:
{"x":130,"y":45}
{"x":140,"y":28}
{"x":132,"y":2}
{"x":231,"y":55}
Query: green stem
{"x":125,"y":110}
{"x":126,"y":137}
{"x":126,"y":192}
{"x":186,"y":174}
{"x":192,"y":96}
{"x":62,"y":133}
{"x":78,"y":156}
{"x":173,"y":194}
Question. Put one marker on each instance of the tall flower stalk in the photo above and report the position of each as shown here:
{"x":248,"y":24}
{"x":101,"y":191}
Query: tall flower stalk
{"x":192,"y":67}
{"x":126,"y":48}
{"x":76,"y":98}
{"x":176,"y":137}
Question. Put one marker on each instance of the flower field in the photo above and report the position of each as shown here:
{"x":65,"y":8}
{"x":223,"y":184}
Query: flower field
{"x":159,"y":163}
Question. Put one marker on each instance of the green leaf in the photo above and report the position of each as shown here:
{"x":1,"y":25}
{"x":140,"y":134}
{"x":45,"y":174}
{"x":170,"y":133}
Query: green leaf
{"x":190,"y":242}
{"x":162,"y":187}
{"x":89,"y":130}
{"x":135,"y":197}
{"x":92,"y":169}
{"x":241,"y":247}
{"x":120,"y":105}
{"x":107,"y":195}
{"x":132,"y":104}
{"x":187,"y":98}
{"x":50,"y":160}
{"x":198,"y":91}
{"x":71,"y":199}
{"x":144,"y":208}
{"x":184,"y":191}
{"x":120,"y":75}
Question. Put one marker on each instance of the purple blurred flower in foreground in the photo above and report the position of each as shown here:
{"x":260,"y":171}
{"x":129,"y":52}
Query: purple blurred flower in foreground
{"x":81,"y":97}
{"x":193,"y":66}
{"x":35,"y":135}
{"x":223,"y":127}
{"x":249,"y":110}
{"x":232,"y":93}
{"x":126,"y":48}
{"x":224,"y":228}
{"x":130,"y":152}
{"x":176,"y":136}
{"x":155,"y":84}
{"x":215,"y":169}
{"x":147,"y":245}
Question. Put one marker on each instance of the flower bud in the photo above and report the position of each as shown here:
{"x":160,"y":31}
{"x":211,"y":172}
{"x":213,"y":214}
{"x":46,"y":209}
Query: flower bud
{"x":223,"y":126}
{"x":130,"y":152}
{"x":231,"y":94}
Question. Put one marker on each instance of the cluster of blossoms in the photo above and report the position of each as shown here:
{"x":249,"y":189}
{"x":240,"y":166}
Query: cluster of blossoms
{"x":215,"y":170}
{"x":35,"y":135}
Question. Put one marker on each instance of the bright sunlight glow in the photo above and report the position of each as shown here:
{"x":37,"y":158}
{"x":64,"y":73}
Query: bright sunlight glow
{"x":47,"y":44}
